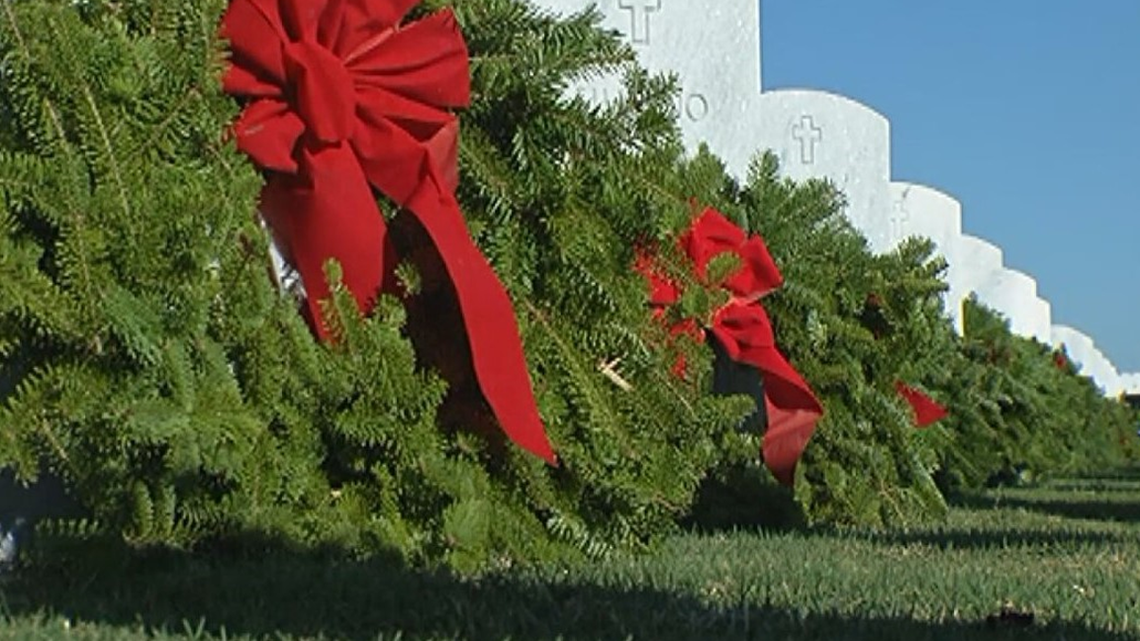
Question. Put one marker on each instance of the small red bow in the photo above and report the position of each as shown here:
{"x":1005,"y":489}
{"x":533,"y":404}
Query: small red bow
{"x":344,"y":99}
{"x":926,"y":410}
{"x":743,"y":328}
{"x":1060,"y":362}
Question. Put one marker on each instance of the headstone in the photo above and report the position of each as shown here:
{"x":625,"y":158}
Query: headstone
{"x":713,"y":47}
{"x":978,"y":261}
{"x":817,"y":134}
{"x":1043,"y":322}
{"x":1089,"y":360}
{"x":1107,"y":376}
{"x":1130,"y":383}
{"x":918,"y":210}
{"x":1014,"y":294}
{"x":1075,"y":343}
{"x":1114,"y":387}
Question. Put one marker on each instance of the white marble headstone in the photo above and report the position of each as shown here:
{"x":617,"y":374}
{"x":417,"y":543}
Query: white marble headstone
{"x":1014,"y":294}
{"x":1076,"y":343}
{"x":1090,"y":361}
{"x":817,"y":134}
{"x":1130,"y":383}
{"x":918,"y":210}
{"x":1043,"y":321}
{"x":1107,"y":375}
{"x":713,"y":47}
{"x":984,"y":259}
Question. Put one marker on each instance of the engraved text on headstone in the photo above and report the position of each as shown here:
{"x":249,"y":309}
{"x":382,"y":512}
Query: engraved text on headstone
{"x":640,"y":12}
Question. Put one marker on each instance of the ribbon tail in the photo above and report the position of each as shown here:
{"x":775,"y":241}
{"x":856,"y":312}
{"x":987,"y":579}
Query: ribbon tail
{"x":330,"y":214}
{"x":793,"y":411}
{"x":926,"y":410}
{"x":488,"y":316}
{"x":788,"y":433}
{"x":745,"y":333}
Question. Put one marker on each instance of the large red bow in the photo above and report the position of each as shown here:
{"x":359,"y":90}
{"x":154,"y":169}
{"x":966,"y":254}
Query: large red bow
{"x":743,"y":328}
{"x":926,"y":410}
{"x":343,"y":99}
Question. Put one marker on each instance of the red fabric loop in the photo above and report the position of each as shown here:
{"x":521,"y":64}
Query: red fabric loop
{"x":711,"y":234}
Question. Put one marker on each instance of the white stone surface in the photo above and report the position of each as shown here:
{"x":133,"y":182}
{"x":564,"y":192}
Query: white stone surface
{"x":1005,"y":291}
{"x":979,"y":270}
{"x":1090,"y":361}
{"x":983,"y":259}
{"x":919,"y":210}
{"x":1014,"y":294}
{"x":1043,"y":329}
{"x":817,"y":134}
{"x":713,"y":47}
{"x":1077,"y":345}
{"x":1130,"y":383}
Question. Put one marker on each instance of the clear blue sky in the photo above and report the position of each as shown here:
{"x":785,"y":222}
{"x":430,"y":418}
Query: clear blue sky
{"x":1027,"y":111}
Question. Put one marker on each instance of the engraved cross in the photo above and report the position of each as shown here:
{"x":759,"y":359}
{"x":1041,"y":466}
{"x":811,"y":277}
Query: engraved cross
{"x":639,"y":12}
{"x":900,"y":219}
{"x":808,"y":135}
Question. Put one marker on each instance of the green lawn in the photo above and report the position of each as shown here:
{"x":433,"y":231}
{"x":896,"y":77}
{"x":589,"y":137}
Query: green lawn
{"x":1067,"y":552}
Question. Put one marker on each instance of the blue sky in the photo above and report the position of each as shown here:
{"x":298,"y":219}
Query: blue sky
{"x":1027,"y":111}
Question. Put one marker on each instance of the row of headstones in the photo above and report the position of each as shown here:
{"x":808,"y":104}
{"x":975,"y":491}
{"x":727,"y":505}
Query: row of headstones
{"x":714,"y":49}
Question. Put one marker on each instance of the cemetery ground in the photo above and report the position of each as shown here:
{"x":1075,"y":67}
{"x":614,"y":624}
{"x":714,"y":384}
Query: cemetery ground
{"x":1060,"y":560}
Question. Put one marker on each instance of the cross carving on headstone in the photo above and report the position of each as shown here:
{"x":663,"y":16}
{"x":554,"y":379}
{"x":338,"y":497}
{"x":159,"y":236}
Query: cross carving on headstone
{"x":639,"y":12}
{"x":808,"y":135}
{"x":900,"y":219}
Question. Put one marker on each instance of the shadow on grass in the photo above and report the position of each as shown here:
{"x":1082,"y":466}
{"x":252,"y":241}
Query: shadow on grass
{"x":980,"y":539}
{"x":1095,"y":509}
{"x":1099,"y":486}
{"x":294,"y":595}
{"x":744,"y":498}
{"x":1119,"y":474}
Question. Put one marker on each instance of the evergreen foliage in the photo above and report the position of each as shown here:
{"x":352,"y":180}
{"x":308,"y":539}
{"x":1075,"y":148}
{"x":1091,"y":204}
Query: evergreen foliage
{"x":866,"y":464}
{"x":160,"y":372}
{"x":148,"y":357}
{"x":1017,"y":413}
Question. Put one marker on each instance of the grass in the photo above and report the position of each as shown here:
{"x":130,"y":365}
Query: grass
{"x":1067,"y":553}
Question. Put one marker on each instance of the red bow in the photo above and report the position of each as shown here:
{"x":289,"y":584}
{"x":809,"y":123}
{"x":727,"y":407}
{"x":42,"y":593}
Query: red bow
{"x":344,"y":99}
{"x":1060,"y":362}
{"x":926,"y":410}
{"x":742,"y":327}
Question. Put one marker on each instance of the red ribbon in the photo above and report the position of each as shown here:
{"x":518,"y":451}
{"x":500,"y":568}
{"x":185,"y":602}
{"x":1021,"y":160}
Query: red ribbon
{"x":744,"y":330}
{"x":344,"y":99}
{"x":926,"y":410}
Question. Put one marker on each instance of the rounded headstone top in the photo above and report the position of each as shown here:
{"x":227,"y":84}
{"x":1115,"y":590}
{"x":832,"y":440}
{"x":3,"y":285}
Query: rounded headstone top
{"x":847,"y":104}
{"x":981,"y":250}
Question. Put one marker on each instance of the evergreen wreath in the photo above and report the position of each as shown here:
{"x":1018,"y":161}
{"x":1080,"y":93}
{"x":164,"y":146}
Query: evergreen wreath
{"x":149,"y":359}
